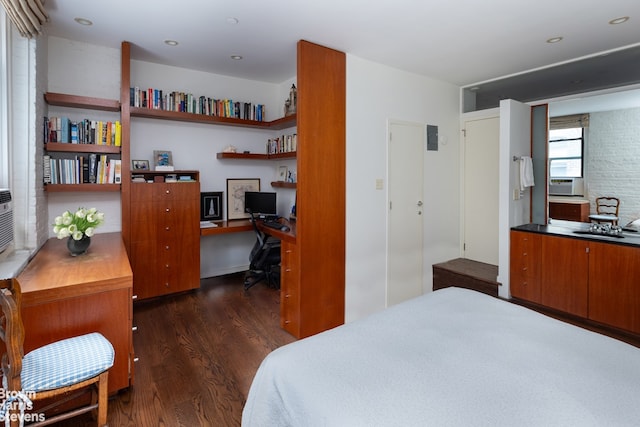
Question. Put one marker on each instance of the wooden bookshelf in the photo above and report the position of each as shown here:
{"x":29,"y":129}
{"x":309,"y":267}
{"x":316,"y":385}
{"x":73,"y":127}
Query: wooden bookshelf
{"x":180,"y":116}
{"x":81,"y":148}
{"x":76,"y":101}
{"x":283,"y":184}
{"x":256,"y":156}
{"x":61,"y":188}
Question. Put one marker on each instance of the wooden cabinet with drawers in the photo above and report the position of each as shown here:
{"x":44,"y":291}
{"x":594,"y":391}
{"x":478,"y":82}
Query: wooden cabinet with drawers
{"x":595,"y":280}
{"x":289,"y":289}
{"x":165,"y":236}
{"x":569,"y":210}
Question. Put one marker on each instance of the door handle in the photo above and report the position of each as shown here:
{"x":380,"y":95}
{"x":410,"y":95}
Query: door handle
{"x":419,"y":203}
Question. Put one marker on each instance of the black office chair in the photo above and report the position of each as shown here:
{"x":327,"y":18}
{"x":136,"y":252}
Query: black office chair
{"x":264,"y":260}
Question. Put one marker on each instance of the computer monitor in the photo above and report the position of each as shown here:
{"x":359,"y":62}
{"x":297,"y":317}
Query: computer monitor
{"x":260,"y":204}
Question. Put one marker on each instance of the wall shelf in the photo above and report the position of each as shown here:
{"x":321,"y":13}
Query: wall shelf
{"x":283,"y":184}
{"x":81,"y":148}
{"x":61,"y":188}
{"x":76,"y":101}
{"x":282,"y":123}
{"x":256,"y":156}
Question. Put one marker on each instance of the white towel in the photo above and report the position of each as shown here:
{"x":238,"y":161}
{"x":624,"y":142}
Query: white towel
{"x":526,"y":172}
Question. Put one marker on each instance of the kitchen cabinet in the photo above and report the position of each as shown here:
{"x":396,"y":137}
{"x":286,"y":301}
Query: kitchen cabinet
{"x":564,"y":274}
{"x":525,"y":266}
{"x":595,"y":279}
{"x":614,"y":285}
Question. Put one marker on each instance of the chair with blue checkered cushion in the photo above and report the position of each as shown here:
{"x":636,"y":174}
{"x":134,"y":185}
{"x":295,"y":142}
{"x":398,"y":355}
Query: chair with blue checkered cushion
{"x":52,"y":371}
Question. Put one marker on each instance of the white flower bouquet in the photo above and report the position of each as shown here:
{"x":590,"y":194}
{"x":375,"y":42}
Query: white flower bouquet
{"x":79,"y":224}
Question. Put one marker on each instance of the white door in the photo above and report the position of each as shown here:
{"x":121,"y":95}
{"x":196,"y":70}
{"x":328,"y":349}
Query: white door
{"x":405,"y":228}
{"x":481,"y":184}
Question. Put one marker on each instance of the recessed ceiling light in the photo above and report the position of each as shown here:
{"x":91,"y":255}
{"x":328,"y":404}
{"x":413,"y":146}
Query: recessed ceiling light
{"x":554,"y":39}
{"x":171,"y":42}
{"x":83,"y":21}
{"x":232,"y":21}
{"x":236,"y":57}
{"x":620,"y":20}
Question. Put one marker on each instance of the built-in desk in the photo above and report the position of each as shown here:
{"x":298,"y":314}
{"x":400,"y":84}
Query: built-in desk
{"x":240,"y":225}
{"x":65,"y":296}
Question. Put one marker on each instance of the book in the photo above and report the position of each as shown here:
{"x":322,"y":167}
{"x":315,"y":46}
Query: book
{"x":208,"y":224}
{"x":93,"y":167}
{"x":46,"y":164}
{"x":117,"y":173}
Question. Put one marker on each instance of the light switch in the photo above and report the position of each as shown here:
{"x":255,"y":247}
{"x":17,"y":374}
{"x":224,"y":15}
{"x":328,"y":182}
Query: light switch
{"x":379,"y":184}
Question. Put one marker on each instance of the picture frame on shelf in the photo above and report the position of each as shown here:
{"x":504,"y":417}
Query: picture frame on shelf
{"x":236,"y":187}
{"x":282,"y":173}
{"x":163,"y":160}
{"x":140,"y":165}
{"x":211,"y":206}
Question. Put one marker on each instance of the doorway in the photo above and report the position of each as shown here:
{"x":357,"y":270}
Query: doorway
{"x":481,"y":185}
{"x":406,"y":148}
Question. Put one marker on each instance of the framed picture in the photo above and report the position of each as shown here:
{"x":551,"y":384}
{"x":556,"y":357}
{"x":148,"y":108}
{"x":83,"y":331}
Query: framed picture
{"x":235,"y":195}
{"x":163,"y":160}
{"x":282,"y":173}
{"x":211,"y":206}
{"x":140,"y":165}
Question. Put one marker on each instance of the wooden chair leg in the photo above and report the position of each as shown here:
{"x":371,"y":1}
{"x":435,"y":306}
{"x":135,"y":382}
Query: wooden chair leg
{"x":103,"y":398}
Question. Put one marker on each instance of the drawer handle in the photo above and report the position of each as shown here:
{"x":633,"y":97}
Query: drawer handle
{"x":134,"y":297}
{"x":168,"y":210}
{"x":168,"y":191}
{"x":166,"y":247}
{"x":135,"y":359}
{"x":134,"y":328}
{"x":288,"y":270}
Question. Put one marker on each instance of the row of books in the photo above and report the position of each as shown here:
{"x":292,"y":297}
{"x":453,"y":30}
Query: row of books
{"x":282,"y":144}
{"x":88,"y":169}
{"x":61,"y":129}
{"x":188,"y":103}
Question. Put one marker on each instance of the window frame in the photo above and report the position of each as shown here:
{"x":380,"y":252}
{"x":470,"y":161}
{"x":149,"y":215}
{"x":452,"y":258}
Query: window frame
{"x":580,"y":157}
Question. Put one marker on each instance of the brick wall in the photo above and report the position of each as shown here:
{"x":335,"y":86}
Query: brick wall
{"x":613,"y":160}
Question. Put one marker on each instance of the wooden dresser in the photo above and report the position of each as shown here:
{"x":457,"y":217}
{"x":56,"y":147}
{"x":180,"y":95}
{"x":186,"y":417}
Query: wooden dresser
{"x":165,"y":237}
{"x":569,"y":209}
{"x":65,"y":296}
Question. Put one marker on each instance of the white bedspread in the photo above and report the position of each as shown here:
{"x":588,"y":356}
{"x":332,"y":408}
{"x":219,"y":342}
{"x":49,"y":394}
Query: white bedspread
{"x":453,"y":357}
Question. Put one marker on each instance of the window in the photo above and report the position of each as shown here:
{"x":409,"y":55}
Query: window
{"x":566,"y":148}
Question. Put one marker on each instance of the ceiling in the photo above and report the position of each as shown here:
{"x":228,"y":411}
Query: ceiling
{"x":462,"y":42}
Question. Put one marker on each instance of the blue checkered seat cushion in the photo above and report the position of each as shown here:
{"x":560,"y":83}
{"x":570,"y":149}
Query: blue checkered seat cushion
{"x":66,"y":362}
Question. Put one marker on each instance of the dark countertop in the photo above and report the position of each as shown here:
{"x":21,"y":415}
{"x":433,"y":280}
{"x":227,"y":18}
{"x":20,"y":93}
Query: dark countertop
{"x":579,"y":230}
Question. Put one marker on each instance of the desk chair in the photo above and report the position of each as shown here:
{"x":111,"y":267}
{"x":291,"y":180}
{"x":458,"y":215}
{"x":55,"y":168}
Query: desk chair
{"x":52,"y":371}
{"x":606,"y":210}
{"x":264,"y":259}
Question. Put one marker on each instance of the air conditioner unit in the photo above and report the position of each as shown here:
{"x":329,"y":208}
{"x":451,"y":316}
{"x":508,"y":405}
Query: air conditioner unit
{"x":6,"y":219}
{"x":566,"y":187}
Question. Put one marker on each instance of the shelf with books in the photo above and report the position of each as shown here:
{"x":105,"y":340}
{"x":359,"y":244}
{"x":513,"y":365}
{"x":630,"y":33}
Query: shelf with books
{"x":180,"y":116}
{"x":81,"y":148}
{"x":58,"y":188}
{"x":70,"y":149}
{"x":256,"y":156}
{"x":77,"y":101}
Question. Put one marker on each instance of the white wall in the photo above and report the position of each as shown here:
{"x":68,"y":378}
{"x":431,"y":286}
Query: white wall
{"x":613,"y":147}
{"x":375,"y":95}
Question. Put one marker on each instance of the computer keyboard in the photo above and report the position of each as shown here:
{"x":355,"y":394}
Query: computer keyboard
{"x":275,"y":225}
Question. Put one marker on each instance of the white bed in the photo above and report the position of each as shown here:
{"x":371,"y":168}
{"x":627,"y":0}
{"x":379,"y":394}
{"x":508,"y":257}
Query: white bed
{"x":453,"y":357}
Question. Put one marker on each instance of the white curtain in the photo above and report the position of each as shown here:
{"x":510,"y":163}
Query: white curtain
{"x":27,"y":15}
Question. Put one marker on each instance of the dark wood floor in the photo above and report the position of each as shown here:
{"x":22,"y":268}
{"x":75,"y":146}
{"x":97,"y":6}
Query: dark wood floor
{"x":198,"y":353}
